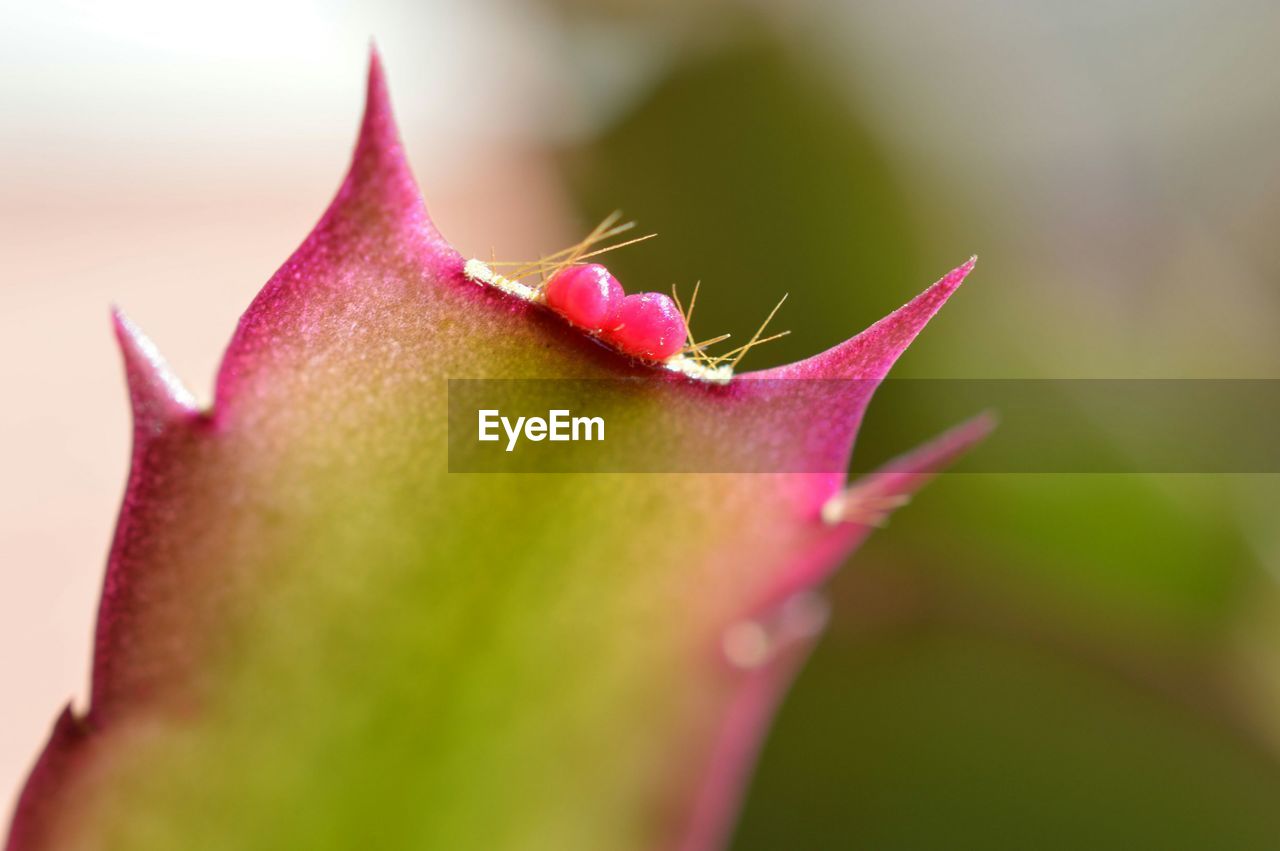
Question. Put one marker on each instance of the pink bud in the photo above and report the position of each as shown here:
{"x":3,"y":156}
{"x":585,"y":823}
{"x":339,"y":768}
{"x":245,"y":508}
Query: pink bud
{"x":588,"y":296}
{"x":648,"y":325}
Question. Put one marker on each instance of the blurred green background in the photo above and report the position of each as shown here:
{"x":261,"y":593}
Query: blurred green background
{"x":1029,"y":661}
{"x":1046,"y":661}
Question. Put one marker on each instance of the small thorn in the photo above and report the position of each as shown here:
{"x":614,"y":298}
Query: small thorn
{"x":378,"y":134}
{"x":853,"y":369}
{"x":379,"y":177}
{"x":870,"y":354}
{"x":870,"y":500}
{"x":156,"y":395}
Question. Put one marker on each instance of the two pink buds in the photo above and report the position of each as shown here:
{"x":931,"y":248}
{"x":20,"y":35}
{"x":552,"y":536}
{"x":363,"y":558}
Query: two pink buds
{"x":644,"y":325}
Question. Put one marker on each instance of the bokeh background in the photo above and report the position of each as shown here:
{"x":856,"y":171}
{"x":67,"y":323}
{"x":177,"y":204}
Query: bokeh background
{"x":1018,"y":661}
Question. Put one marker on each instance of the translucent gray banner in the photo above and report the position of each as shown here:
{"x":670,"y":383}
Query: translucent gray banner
{"x":754,"y":426}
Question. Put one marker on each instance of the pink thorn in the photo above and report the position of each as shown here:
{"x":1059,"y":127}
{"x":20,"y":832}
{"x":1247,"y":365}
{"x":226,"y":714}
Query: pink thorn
{"x":39,"y":807}
{"x":874,"y":496}
{"x":849,"y":373}
{"x":380,"y":180}
{"x":156,"y":395}
{"x":851,"y":514}
{"x":872,"y":353}
{"x":378,"y":211}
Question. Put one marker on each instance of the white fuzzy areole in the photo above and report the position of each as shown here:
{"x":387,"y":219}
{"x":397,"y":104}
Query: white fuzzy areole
{"x":479,"y":271}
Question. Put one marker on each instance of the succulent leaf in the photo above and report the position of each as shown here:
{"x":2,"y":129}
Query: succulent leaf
{"x":312,"y":634}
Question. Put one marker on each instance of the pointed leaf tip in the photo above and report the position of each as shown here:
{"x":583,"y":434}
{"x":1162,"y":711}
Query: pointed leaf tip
{"x":871,"y":354}
{"x":156,"y":395}
{"x":845,"y":377}
{"x":377,"y":99}
{"x":38,"y":807}
{"x":870,"y":500}
{"x":379,"y":184}
{"x":379,"y":153}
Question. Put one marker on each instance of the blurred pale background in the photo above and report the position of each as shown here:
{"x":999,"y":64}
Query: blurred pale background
{"x":1088,"y":660}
